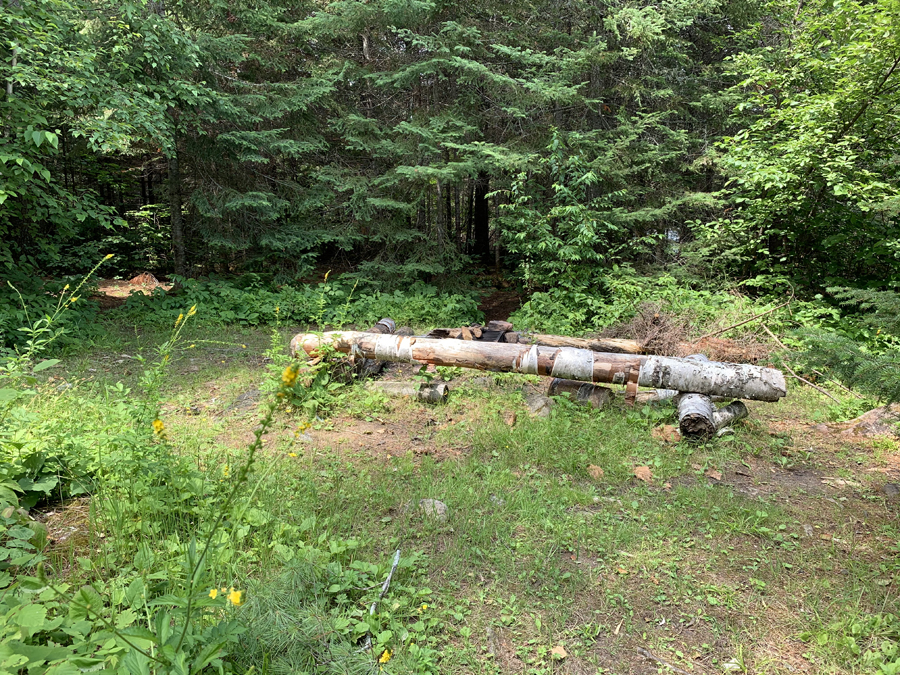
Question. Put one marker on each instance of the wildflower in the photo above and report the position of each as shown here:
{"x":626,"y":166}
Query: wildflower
{"x":292,"y":454}
{"x":192,"y":310}
{"x":179,"y":320}
{"x":234,"y":597}
{"x":243,"y":346}
{"x":159,"y":428}
{"x":423,"y":608}
{"x":289,"y":376}
{"x":385,"y":656}
{"x":73,"y":298}
{"x":224,"y":475}
{"x":108,"y":256}
{"x":66,"y":287}
{"x":326,"y":281}
{"x":192,"y":346}
{"x":303,"y":427}
{"x":213,"y":593}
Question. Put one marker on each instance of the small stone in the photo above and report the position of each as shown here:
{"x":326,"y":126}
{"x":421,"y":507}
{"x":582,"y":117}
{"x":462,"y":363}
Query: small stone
{"x":891,"y":491}
{"x":497,"y":500}
{"x":246,"y":400}
{"x":538,"y":405}
{"x":808,"y":530}
{"x":509,"y":418}
{"x":435,"y":509}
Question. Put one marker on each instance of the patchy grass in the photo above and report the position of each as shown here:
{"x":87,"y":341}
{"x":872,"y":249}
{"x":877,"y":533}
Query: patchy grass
{"x":766,"y":552}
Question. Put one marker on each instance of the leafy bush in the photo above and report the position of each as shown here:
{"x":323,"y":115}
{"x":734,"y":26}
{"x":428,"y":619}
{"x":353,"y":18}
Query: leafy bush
{"x":614,"y":297}
{"x":250,"y":301}
{"x":871,"y":641}
{"x":26,"y":298}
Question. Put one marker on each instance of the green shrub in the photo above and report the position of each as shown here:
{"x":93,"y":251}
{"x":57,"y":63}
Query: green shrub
{"x":250,"y":301}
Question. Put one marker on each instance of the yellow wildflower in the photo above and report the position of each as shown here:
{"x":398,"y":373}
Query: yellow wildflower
{"x":66,"y":287}
{"x":74,"y":298}
{"x":234,"y":597}
{"x":192,"y":310}
{"x":225,"y":475}
{"x":423,"y":608}
{"x":326,"y":276}
{"x":158,"y":427}
{"x":108,"y":256}
{"x":303,"y":427}
{"x":289,"y":376}
{"x":385,"y":656}
{"x":213,"y":593}
{"x":179,"y":319}
{"x":292,"y":454}
{"x":192,"y":346}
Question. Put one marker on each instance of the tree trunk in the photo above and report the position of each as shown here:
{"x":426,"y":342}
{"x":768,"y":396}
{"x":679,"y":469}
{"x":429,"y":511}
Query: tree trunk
{"x":659,"y":372}
{"x":175,"y":215}
{"x":481,"y":218}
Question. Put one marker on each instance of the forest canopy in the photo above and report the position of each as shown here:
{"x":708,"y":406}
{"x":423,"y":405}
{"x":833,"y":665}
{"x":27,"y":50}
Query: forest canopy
{"x":411,"y":140}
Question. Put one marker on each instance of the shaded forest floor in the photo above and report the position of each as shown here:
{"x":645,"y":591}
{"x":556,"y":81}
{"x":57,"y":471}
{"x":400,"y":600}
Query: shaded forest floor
{"x":755,"y":553}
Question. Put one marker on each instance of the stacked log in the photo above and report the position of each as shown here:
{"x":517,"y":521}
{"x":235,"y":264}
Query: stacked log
{"x":574,"y":364}
{"x":659,"y":372}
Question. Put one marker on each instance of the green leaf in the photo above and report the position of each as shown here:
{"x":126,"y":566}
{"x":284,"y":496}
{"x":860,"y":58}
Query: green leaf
{"x":31,"y":617}
{"x":43,"y":365}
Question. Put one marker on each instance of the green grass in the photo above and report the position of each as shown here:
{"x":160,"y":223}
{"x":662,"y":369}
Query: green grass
{"x":708,"y":575}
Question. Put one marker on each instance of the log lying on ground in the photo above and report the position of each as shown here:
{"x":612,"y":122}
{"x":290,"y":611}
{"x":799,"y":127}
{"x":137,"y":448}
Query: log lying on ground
{"x":733,"y":412}
{"x":583,"y":393}
{"x":695,"y":411}
{"x":659,"y":372}
{"x":360,"y":368}
{"x":699,"y":420}
{"x":431,"y":392}
{"x":502,"y":331}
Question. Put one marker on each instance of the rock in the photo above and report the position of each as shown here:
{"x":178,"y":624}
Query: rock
{"x":538,"y":405}
{"x":808,"y":530}
{"x":246,"y":400}
{"x":891,"y":491}
{"x":497,"y":500}
{"x":508,"y":417}
{"x":434,"y":509}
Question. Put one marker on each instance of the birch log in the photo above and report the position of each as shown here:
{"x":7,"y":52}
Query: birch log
{"x":583,"y":393}
{"x":695,"y":411}
{"x":658,"y":372}
{"x":733,"y":412}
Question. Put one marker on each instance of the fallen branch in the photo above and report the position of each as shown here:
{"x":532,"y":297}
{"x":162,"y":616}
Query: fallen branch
{"x":752,"y":318}
{"x":713,"y":378}
{"x":793,"y":374}
{"x":838,"y":384}
{"x":807,"y":382}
